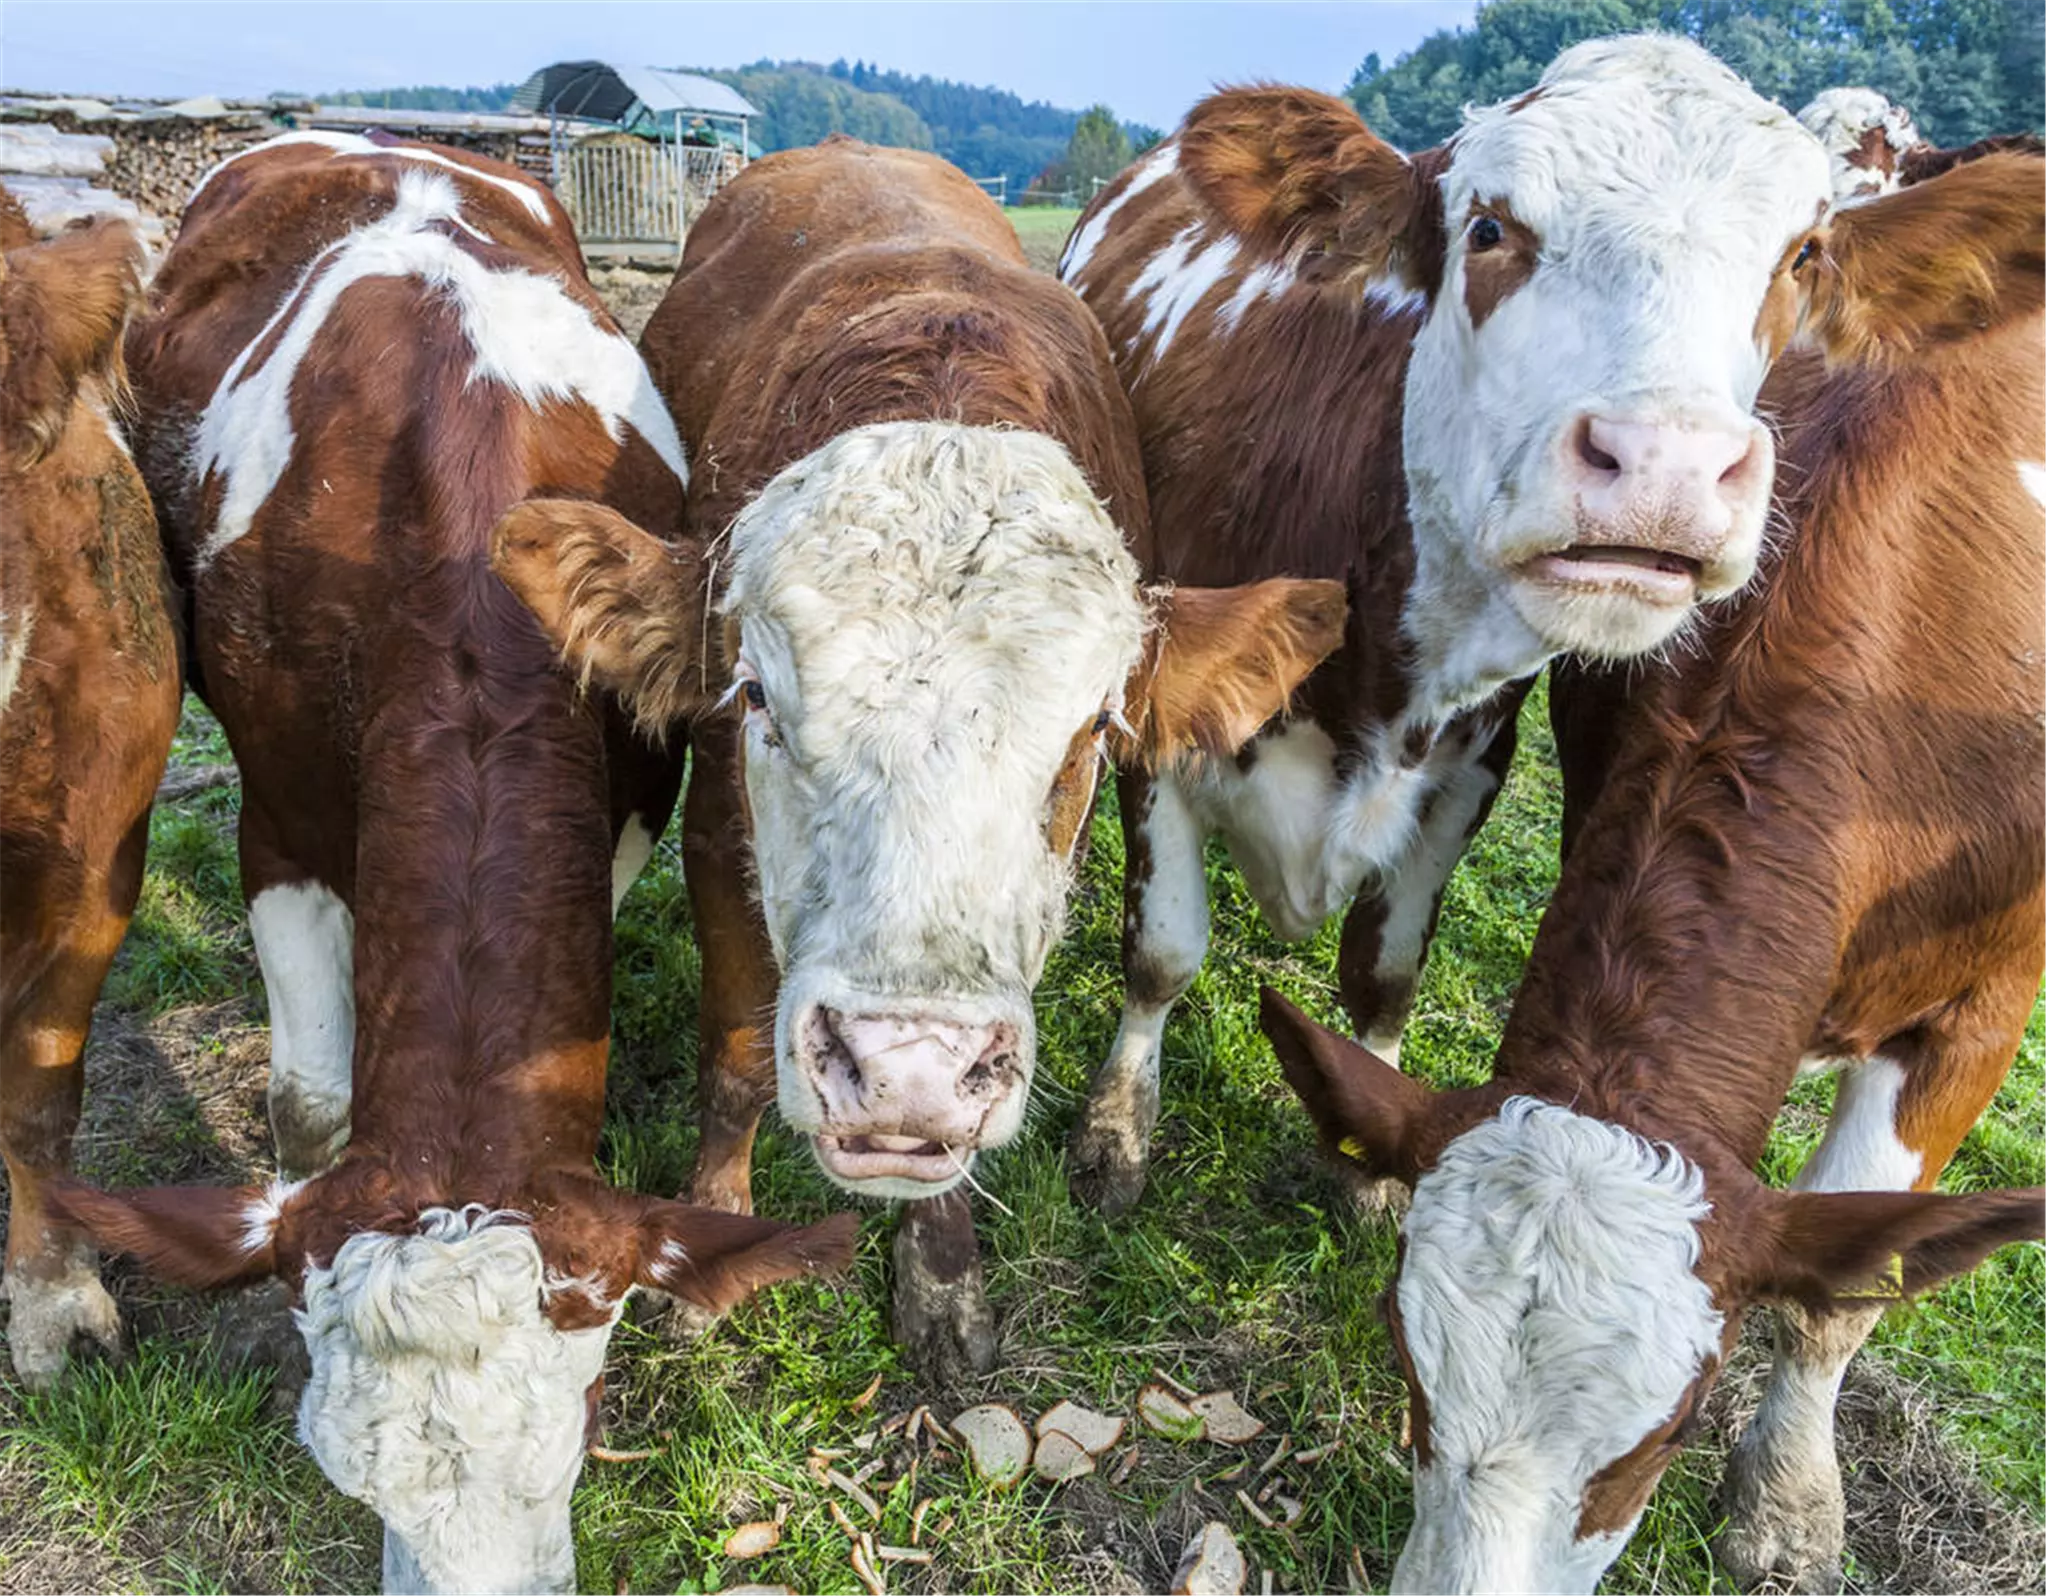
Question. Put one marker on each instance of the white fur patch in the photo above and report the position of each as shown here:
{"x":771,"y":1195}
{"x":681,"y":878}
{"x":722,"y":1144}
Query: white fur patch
{"x":1181,"y":283}
{"x":15,"y":631}
{"x":2033,"y":476}
{"x":1861,"y":1150}
{"x":1393,"y":297}
{"x":1840,"y":119}
{"x":1553,"y":1319}
{"x":527,"y":194}
{"x":635,"y":847}
{"x":1260,"y":282}
{"x":1160,"y":163}
{"x":441,"y":1396}
{"x":525,"y":331}
{"x":933,"y":612}
{"x":261,"y":1217}
{"x":305,"y":946}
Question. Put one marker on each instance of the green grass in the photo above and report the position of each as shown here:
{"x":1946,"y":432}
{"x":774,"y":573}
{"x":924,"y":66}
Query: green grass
{"x":1042,"y":230}
{"x":1241,"y":1267}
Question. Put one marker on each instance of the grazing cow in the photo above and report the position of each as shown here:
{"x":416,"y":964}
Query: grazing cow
{"x":1875,"y":148}
{"x":919,"y":477}
{"x":362,"y":354}
{"x":88,"y":703}
{"x":1817,"y":843}
{"x":1507,"y":388}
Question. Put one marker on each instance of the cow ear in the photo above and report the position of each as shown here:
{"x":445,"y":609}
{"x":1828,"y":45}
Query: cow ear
{"x":62,"y":307}
{"x":622,"y":608}
{"x":1848,"y":1249}
{"x":1222,"y":661}
{"x":1941,"y":260}
{"x":717,"y":1260}
{"x":200,"y":1236}
{"x":1363,"y":1108}
{"x":1293,"y":172}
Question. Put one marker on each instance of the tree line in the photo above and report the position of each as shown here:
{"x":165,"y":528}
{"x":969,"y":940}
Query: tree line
{"x":1965,"y":68}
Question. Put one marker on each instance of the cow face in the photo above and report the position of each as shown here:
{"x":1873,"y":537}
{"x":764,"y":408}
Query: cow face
{"x":1566,"y":1293}
{"x":455,"y":1358}
{"x":933,"y":635}
{"x":1579,"y":426}
{"x":1866,"y":137}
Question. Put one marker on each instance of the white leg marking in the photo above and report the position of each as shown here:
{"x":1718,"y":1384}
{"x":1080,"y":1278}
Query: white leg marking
{"x":635,"y":847}
{"x":305,"y":943}
{"x":1788,"y":1513}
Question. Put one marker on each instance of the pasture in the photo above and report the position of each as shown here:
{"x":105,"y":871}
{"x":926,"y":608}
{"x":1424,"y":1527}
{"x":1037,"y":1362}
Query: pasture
{"x":1241,"y":1268}
{"x":178,"y":1471}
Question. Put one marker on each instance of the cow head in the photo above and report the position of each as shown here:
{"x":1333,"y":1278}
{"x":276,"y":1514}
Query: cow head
{"x":1567,"y":1291}
{"x":63,"y":305}
{"x":457,"y":1352}
{"x":932,"y":634}
{"x":1602,"y":270}
{"x":1866,"y":137}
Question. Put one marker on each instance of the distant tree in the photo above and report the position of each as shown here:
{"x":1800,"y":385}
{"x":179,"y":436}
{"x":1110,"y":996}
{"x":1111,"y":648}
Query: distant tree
{"x":1098,"y":149}
{"x":431,"y":97}
{"x":1966,"y":68}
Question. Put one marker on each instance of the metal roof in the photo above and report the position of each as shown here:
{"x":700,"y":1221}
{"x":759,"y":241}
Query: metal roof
{"x":602,"y":91}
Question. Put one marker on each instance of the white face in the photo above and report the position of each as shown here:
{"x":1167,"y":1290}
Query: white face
{"x":1552,"y":1322}
{"x":442,"y":1397}
{"x":1579,"y":427}
{"x":934,"y":622}
{"x":1842,"y":120}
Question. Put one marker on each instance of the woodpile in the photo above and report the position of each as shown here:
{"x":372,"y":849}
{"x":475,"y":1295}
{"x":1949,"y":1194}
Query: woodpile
{"x":63,"y":177}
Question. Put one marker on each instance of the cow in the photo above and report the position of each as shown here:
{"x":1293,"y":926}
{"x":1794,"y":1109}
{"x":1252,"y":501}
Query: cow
{"x":89,"y":694}
{"x":360,"y":355}
{"x":917,"y":482}
{"x":1875,"y":148}
{"x":1815,"y":841}
{"x":1505,"y":389}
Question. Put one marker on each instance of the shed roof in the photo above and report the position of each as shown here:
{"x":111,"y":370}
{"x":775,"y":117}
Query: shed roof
{"x":603,"y":91}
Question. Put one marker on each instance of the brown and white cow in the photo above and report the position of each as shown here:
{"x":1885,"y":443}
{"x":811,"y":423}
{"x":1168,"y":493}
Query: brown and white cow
{"x":88,"y":702}
{"x":918,"y":479}
{"x":1818,"y":843}
{"x":1506,"y":388}
{"x":360,"y":357}
{"x":1875,"y":148}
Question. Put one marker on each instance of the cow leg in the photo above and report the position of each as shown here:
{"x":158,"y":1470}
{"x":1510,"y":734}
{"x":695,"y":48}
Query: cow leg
{"x":305,"y":944}
{"x":735,"y":1067}
{"x":942,"y":1320}
{"x":1894,"y":1126}
{"x":1164,"y":939}
{"x":52,"y":979}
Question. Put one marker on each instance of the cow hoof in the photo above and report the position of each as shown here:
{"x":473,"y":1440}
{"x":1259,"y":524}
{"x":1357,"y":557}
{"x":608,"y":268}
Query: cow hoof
{"x":1785,"y":1528}
{"x":675,"y":1320}
{"x":48,"y":1316}
{"x":1373,"y":1196}
{"x":1110,"y":1164}
{"x":945,"y":1327}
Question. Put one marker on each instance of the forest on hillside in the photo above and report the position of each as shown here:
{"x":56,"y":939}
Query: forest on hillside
{"x":1965,"y":68}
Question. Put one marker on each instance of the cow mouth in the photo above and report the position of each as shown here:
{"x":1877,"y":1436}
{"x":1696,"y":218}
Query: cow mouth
{"x":876,"y":1157}
{"x":1654,"y":576}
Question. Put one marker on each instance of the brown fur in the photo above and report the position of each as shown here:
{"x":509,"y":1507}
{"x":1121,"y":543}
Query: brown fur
{"x":86,"y":732}
{"x":403,"y":735}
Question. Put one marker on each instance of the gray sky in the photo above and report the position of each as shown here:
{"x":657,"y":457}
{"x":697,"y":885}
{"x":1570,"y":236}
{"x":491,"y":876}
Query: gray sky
{"x":1147,"y":61}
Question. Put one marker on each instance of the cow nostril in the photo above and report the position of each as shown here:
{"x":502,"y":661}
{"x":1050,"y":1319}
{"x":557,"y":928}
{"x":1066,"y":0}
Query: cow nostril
{"x":1743,"y":468}
{"x":1588,"y":451}
{"x":829,"y":1047}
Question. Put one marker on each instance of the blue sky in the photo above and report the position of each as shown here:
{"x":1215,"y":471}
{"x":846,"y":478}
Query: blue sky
{"x":1148,"y":61}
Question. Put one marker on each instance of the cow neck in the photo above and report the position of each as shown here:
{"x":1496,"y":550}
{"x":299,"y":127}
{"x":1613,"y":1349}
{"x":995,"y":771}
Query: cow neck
{"x":1780,"y":785}
{"x":482,"y":929}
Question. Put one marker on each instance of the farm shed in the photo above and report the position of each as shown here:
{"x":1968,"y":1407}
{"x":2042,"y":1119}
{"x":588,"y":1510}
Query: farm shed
{"x":637,"y":151}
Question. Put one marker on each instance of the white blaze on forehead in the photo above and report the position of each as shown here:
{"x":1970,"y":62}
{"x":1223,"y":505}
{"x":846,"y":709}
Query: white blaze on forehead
{"x":524,"y":330}
{"x":1554,"y":1320}
{"x":933,"y":611}
{"x":441,"y":1396}
{"x":1160,"y":163}
{"x":527,"y":194}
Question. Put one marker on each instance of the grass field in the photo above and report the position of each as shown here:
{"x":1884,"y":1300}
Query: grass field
{"x":1042,"y":230}
{"x":1240,"y":1268}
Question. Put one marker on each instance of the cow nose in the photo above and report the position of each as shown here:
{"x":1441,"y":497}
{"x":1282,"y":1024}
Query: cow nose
{"x":908,"y":1075}
{"x":1684,"y":487}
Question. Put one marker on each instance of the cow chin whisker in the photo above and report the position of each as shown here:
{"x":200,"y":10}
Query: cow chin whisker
{"x":967,"y":1175}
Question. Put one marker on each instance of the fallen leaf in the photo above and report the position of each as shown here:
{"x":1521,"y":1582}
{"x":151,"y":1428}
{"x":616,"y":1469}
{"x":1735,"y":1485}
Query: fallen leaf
{"x":753,"y":1540}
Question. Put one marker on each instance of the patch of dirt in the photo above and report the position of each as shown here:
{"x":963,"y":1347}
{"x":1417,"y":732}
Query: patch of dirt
{"x":630,"y":293}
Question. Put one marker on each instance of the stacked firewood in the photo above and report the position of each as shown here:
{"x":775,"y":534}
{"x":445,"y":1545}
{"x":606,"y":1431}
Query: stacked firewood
{"x":61,"y":178}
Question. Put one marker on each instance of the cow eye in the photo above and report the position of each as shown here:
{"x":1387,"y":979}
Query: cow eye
{"x":1486,"y":233}
{"x":1101,"y":723}
{"x":1804,"y":256}
{"x":755,"y":695}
